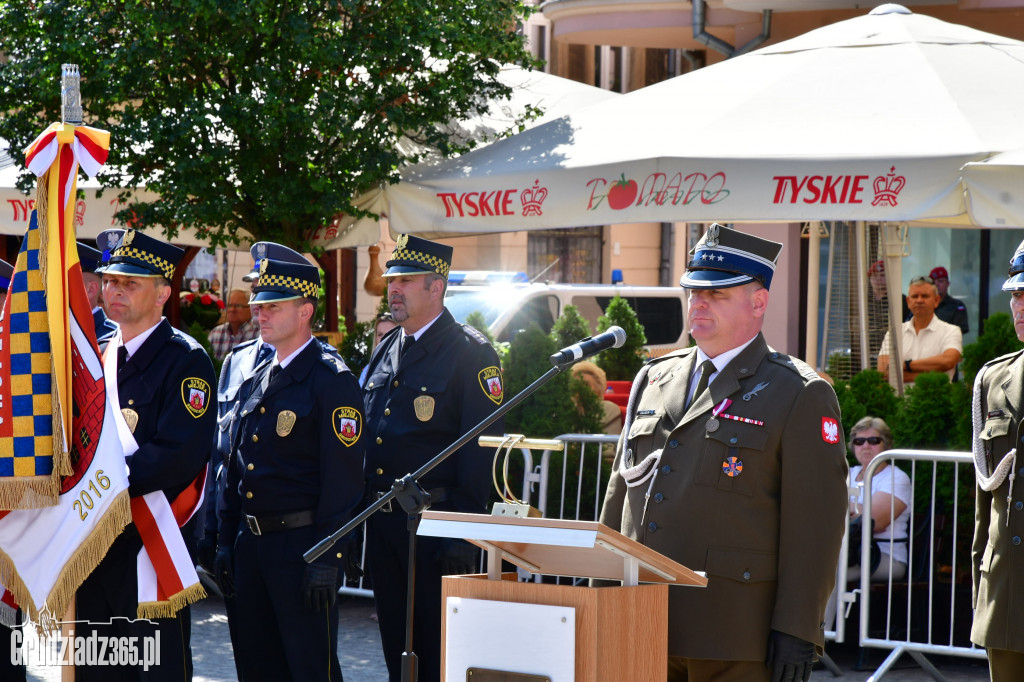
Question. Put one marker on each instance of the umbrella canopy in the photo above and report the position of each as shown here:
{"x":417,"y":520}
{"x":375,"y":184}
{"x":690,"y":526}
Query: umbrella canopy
{"x":995,"y":190}
{"x":867,"y":119}
{"x":553,"y":95}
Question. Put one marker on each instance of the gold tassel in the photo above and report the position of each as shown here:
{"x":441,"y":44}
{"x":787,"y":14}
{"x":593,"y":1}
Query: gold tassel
{"x":82,"y":562}
{"x":169,"y":607}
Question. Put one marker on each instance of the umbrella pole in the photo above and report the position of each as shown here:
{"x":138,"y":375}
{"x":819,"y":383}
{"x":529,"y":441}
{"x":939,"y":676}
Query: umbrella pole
{"x":860,"y":264}
{"x":813,"y":271}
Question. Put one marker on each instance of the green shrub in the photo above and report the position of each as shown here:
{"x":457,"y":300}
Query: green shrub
{"x":622,"y":364}
{"x":356,"y":345}
{"x":925,"y":419}
{"x":998,"y":338}
{"x":570,"y":327}
{"x":476,"y":320}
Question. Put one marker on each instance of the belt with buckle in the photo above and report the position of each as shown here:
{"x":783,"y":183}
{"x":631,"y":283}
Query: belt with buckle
{"x":272,"y":524}
{"x":437,"y":495}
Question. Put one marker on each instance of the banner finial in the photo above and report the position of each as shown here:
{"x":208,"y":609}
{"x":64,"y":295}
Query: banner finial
{"x":70,"y":95}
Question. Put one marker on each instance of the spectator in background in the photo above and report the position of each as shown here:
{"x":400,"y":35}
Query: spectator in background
{"x":891,"y":498}
{"x":237,"y":328}
{"x":927,"y":343}
{"x":951,"y":310}
{"x":382,"y":326}
{"x":595,"y":378}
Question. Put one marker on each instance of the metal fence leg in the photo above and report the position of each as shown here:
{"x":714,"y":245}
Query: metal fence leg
{"x":827,"y":661}
{"x":923,"y":661}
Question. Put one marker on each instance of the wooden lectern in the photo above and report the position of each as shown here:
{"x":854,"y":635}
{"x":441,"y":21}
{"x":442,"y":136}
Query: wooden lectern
{"x":620,"y":632}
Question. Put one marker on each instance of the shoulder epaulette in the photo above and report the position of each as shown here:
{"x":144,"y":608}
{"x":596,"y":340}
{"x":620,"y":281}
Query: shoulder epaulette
{"x":334,"y":361}
{"x":681,"y":353}
{"x":795,"y":364}
{"x":244,"y":344}
{"x":474,"y":334}
{"x":183,"y":339}
{"x":1009,"y":357}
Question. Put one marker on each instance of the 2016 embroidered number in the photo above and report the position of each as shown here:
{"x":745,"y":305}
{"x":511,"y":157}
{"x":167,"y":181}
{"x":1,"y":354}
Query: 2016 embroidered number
{"x":85,"y":501}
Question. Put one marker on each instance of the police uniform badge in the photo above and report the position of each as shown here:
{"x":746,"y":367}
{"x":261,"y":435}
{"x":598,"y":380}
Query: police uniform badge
{"x":423,"y":406}
{"x":195,"y":393}
{"x":490,"y":382}
{"x":348,"y":425}
{"x":128,"y":237}
{"x":285,"y":422}
{"x":261,"y":251}
{"x":131,"y":417}
{"x":403,"y":240}
{"x":713,"y":234}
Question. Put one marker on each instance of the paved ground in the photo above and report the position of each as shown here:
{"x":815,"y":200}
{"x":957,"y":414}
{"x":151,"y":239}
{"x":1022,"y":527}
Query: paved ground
{"x":361,"y":658}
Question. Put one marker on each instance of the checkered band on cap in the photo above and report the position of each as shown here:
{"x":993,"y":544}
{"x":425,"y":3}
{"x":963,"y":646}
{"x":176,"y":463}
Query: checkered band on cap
{"x":434,"y":263}
{"x":414,"y":255}
{"x":160,"y":265}
{"x":301,"y":286}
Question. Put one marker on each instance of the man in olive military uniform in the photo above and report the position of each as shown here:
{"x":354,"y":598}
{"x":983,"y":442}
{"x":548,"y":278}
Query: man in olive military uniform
{"x":998,"y":556}
{"x":732,"y":462}
{"x":429,"y":381}
{"x":294,"y":477}
{"x":172,"y":427}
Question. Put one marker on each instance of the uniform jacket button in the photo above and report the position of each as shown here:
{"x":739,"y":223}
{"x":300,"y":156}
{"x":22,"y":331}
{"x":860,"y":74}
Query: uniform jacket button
{"x":652,"y":526}
{"x":673,"y":443}
{"x":379,"y":440}
{"x":250,"y":467}
{"x":666,"y":470}
{"x":248,"y":495}
{"x":1015,"y":540}
{"x":370,"y":385}
{"x":1018,"y":505}
{"x":380,"y":472}
{"x":338,"y":555}
{"x":387,"y":411}
{"x":746,"y":575}
{"x":733,"y":440}
{"x":395,"y":384}
{"x":255,"y":438}
{"x":263,"y":410}
{"x":658,"y":497}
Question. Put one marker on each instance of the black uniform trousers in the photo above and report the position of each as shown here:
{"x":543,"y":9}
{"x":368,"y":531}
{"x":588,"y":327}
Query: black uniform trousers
{"x":8,"y":670}
{"x":388,"y":559}
{"x":111,"y":591}
{"x":278,"y":638}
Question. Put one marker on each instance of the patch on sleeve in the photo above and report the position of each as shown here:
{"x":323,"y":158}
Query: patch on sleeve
{"x":195,"y":393}
{"x":490,"y":382}
{"x":829,"y":430}
{"x":348,"y":425}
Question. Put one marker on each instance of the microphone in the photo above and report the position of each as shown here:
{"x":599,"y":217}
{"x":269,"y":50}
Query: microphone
{"x":613,"y":338}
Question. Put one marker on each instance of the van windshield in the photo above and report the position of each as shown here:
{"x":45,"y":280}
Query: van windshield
{"x":490,"y":302}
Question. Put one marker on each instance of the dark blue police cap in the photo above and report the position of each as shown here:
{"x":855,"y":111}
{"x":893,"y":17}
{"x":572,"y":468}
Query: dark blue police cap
{"x":725,"y":258}
{"x":261,"y":250}
{"x":139,"y":255}
{"x":416,"y":256}
{"x":283,"y":281}
{"x":89,"y":257}
{"x":106,"y":242}
{"x":6,"y":273}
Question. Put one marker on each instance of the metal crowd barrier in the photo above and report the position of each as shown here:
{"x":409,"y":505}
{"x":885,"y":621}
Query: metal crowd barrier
{"x":928,"y":611}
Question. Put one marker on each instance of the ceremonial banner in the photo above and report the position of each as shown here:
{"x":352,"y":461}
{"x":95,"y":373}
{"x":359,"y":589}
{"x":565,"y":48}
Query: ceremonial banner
{"x":46,"y":553}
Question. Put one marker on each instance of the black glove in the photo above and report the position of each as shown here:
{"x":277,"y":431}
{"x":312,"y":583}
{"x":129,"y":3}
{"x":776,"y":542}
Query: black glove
{"x":224,"y":570}
{"x":320,"y":587}
{"x":789,"y":657}
{"x":457,"y":557}
{"x":350,"y":562}
{"x":206,"y":550}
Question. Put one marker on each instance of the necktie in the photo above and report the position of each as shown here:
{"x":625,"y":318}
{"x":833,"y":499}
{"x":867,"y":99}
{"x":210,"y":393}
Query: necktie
{"x":263,"y":354}
{"x":407,"y":344}
{"x":274,"y":371}
{"x":707,"y":368}
{"x":122,"y":357}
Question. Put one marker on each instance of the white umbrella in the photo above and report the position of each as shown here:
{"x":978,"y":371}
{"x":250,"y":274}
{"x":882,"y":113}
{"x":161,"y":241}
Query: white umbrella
{"x":867,"y":119}
{"x":995,"y":190}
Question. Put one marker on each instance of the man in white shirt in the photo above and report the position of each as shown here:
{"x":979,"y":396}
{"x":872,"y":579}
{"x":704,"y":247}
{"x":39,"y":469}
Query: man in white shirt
{"x":927,"y":343}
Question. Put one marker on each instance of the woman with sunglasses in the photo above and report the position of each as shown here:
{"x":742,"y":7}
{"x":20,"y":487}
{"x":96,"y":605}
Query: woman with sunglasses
{"x":891,"y":498}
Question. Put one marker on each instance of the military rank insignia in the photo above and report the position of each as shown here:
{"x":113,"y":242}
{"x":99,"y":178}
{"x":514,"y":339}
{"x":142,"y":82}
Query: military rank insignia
{"x":195,"y":393}
{"x":348,"y":424}
{"x":490,"y":382}
{"x":829,"y":430}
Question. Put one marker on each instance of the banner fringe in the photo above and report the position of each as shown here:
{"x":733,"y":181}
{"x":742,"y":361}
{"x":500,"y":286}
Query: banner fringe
{"x":77,"y":568}
{"x":168,"y":607}
{"x":29,"y":492}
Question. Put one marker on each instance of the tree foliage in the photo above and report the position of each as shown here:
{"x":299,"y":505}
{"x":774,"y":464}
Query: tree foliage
{"x":570,"y":327}
{"x":622,"y":364}
{"x":263,"y":116}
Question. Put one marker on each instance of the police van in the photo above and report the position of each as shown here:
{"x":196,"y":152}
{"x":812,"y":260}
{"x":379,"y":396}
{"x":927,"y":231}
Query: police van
{"x":509,"y":303}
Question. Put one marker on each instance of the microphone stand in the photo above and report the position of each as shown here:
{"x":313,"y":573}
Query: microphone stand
{"x":415,"y":500}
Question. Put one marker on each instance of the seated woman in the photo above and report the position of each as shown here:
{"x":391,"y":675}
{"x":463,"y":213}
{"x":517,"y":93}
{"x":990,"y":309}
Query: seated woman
{"x":892,"y":497}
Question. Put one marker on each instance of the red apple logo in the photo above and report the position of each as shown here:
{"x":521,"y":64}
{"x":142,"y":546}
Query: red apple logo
{"x":622,"y":193}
